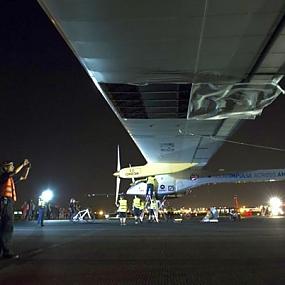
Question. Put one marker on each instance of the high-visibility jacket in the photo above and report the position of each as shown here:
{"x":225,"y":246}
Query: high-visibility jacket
{"x":8,"y":189}
{"x":41,"y":203}
{"x":123,"y":205}
{"x":150,"y":180}
{"x":153,"y":204}
{"x":136,"y":203}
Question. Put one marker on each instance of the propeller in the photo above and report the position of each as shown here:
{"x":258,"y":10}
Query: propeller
{"x":118,"y":180}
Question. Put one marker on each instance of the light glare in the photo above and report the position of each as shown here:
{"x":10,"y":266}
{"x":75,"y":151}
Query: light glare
{"x":275,"y":205}
{"x":47,"y":195}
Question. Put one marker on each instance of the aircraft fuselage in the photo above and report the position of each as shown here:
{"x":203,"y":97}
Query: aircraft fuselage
{"x":179,"y":183}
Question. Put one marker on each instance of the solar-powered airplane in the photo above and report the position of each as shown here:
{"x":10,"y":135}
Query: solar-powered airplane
{"x":175,"y":184}
{"x":180,"y":76}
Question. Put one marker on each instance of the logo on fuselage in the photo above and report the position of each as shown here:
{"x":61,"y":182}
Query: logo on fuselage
{"x":171,"y":188}
{"x":132,"y":172}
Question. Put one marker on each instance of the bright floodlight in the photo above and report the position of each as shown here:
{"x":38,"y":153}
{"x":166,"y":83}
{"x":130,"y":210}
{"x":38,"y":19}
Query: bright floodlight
{"x":47,"y":195}
{"x":275,"y":205}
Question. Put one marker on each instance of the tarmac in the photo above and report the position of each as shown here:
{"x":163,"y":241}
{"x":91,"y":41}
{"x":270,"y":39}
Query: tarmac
{"x":251,"y":251}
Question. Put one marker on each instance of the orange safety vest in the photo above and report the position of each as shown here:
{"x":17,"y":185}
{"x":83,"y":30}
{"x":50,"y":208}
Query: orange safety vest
{"x":8,"y":189}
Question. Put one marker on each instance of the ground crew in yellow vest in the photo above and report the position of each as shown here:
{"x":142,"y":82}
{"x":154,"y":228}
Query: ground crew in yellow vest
{"x":136,"y":208}
{"x":142,"y":208}
{"x":41,"y":209}
{"x":122,"y":210}
{"x":153,"y":210}
{"x":151,"y":184}
{"x":7,"y":200}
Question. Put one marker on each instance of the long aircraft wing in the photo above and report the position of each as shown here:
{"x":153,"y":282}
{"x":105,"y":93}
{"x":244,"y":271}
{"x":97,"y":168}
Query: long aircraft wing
{"x":180,"y":75}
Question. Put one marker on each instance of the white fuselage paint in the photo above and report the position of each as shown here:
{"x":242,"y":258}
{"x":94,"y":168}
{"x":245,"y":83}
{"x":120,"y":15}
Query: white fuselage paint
{"x":180,"y":183}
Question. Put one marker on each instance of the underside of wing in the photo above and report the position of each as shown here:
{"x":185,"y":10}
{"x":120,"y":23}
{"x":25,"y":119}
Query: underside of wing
{"x":179,"y":76}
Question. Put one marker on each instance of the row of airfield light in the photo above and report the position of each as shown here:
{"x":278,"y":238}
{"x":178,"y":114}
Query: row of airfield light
{"x":275,"y":203}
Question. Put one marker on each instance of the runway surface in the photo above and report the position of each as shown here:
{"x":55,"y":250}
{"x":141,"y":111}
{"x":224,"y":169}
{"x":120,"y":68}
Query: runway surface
{"x":248,"y":252}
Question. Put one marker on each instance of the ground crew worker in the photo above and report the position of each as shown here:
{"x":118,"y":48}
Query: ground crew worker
{"x":142,"y":208}
{"x":122,"y":210}
{"x":153,"y":210}
{"x":7,"y":200}
{"x":150,"y":186}
{"x":136,"y":208}
{"x":41,"y":208}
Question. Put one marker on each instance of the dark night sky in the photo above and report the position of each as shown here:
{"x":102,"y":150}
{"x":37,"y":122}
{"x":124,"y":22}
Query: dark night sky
{"x":52,"y":114}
